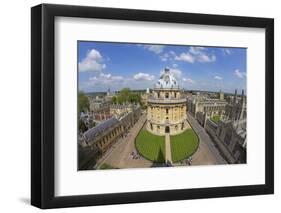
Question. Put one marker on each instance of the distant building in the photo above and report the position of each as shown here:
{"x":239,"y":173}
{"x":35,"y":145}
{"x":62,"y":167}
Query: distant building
{"x":118,"y":110}
{"x":230,"y":133}
{"x":144,"y":98}
{"x":236,"y":109}
{"x":129,"y":119}
{"x":109,"y":96}
{"x":99,"y":107}
{"x":98,"y":103}
{"x":101,"y":137}
{"x":202,"y":107}
{"x":221,"y":95}
{"x":166,"y":107}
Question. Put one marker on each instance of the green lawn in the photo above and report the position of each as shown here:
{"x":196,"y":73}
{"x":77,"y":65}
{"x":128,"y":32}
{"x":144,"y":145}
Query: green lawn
{"x":215,"y":118}
{"x":150,"y":146}
{"x":183,"y":145}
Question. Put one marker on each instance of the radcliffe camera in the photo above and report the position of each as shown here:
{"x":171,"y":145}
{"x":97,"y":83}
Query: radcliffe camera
{"x":160,"y":105}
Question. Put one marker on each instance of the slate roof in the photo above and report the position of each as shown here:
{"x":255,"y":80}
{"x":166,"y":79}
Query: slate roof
{"x":94,"y":132}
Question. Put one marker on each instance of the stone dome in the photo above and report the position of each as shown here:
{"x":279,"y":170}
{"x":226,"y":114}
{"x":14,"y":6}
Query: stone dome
{"x":167,"y":81}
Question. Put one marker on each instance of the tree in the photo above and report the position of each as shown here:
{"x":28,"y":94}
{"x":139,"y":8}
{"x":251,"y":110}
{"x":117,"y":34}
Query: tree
{"x":134,"y":98}
{"x":114,"y":100}
{"x":83,"y":102}
{"x":126,"y":95}
{"x":82,"y":126}
{"x":123,"y":96}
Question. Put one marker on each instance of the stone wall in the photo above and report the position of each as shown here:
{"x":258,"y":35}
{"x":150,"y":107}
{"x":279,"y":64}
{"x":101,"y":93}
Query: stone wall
{"x":227,"y":140}
{"x":166,"y":118}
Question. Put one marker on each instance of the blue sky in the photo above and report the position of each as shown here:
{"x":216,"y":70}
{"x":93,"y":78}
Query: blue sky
{"x":103,"y":65}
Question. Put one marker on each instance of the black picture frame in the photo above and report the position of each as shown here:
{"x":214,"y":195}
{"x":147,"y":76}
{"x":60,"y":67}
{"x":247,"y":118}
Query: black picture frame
{"x":43,"y":102}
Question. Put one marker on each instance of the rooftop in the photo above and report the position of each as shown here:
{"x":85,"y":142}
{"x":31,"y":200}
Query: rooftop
{"x":92,"y":133}
{"x":167,"y":81}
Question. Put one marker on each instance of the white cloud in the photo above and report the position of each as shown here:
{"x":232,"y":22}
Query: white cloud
{"x":94,"y":78}
{"x":175,"y":65}
{"x":206,"y":58}
{"x":226,"y":51}
{"x":92,"y":62}
{"x":172,"y":52}
{"x":218,"y":77}
{"x":154,"y":48}
{"x":143,"y":77}
{"x":185,"y":57}
{"x":106,"y":78}
{"x":117,"y":78}
{"x":196,"y":54}
{"x":175,"y":72}
{"x":111,"y":77}
{"x":164,"y":57}
{"x":196,"y":50}
{"x":102,"y":81}
{"x":168,"y":56}
{"x":239,"y":74}
{"x":189,"y":80}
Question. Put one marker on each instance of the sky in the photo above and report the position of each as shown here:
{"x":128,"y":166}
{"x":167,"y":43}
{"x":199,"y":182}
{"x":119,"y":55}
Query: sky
{"x":104,"y":65}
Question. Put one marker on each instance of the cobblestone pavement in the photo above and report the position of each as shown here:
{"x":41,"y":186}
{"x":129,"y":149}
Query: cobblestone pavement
{"x":120,"y":155}
{"x":207,"y":153}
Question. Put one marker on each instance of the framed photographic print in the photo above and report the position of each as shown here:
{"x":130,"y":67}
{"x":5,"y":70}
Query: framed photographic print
{"x":140,"y":106}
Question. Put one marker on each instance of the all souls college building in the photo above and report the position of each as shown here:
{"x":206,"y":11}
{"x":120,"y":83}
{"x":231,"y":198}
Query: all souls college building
{"x":166,"y":107}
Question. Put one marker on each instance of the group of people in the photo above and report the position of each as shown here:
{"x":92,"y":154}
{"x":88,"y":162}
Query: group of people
{"x":135,"y":155}
{"x":187,"y":161}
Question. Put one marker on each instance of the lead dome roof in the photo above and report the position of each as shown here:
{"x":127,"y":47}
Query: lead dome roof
{"x":167,"y":81}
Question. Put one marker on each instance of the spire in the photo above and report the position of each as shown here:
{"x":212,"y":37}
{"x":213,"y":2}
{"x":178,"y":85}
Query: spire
{"x":242,"y":105}
{"x":221,"y":95}
{"x":235,"y":96}
{"x":233,"y":112}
